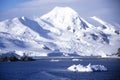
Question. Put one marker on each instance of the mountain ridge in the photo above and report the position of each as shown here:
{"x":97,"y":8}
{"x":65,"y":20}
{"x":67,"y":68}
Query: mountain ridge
{"x":60,"y":31}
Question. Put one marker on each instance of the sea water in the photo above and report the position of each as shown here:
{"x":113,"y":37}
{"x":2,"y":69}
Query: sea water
{"x":57,"y":70}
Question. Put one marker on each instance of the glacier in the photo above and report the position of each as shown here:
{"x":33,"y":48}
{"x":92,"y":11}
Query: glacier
{"x":61,"y":32}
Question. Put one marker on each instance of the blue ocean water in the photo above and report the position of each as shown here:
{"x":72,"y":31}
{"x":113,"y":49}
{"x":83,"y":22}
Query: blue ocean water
{"x":50,"y":70}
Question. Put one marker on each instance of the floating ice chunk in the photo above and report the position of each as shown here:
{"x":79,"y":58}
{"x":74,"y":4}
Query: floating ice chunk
{"x":54,"y":60}
{"x":98,"y":68}
{"x":75,"y":59}
{"x":88,"y":68}
{"x":72,"y":68}
{"x":81,"y":68}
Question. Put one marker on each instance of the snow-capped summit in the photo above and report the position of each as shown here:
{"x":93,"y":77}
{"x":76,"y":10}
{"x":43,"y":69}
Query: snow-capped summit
{"x":65,"y":17}
{"x":60,"y":11}
{"x":61,"y":32}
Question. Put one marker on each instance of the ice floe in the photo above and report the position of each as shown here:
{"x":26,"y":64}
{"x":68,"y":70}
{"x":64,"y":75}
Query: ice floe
{"x":76,"y":59}
{"x":88,"y":68}
{"x":54,"y":60}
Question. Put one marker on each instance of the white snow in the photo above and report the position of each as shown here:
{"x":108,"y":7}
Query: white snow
{"x":99,"y":20}
{"x":106,"y":27}
{"x":61,"y":30}
{"x":88,"y":68}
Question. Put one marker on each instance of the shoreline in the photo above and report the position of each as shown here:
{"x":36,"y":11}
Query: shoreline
{"x":73,"y":58}
{"x":70,"y":58}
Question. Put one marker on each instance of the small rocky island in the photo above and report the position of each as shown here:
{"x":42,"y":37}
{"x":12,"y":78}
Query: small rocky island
{"x":11,"y":56}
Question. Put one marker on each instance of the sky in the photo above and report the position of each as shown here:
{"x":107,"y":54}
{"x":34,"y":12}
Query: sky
{"x":105,"y":9}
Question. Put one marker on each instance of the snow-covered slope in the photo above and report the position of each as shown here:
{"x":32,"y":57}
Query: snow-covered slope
{"x":61,"y":32}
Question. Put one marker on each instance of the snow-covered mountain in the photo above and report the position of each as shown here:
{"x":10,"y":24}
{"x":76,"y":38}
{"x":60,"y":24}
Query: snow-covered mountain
{"x":61,"y":32}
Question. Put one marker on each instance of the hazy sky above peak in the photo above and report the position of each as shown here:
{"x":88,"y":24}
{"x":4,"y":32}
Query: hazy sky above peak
{"x":106,"y":9}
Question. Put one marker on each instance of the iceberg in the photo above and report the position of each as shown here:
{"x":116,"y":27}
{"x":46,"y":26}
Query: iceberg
{"x":88,"y":68}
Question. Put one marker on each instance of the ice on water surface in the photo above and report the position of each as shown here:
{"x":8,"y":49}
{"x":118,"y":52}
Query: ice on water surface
{"x":88,"y":68}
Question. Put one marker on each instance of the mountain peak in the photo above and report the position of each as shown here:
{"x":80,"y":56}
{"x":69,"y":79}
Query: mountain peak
{"x":65,"y":9}
{"x":62,"y":31}
{"x":60,"y":11}
{"x":62,"y":18}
